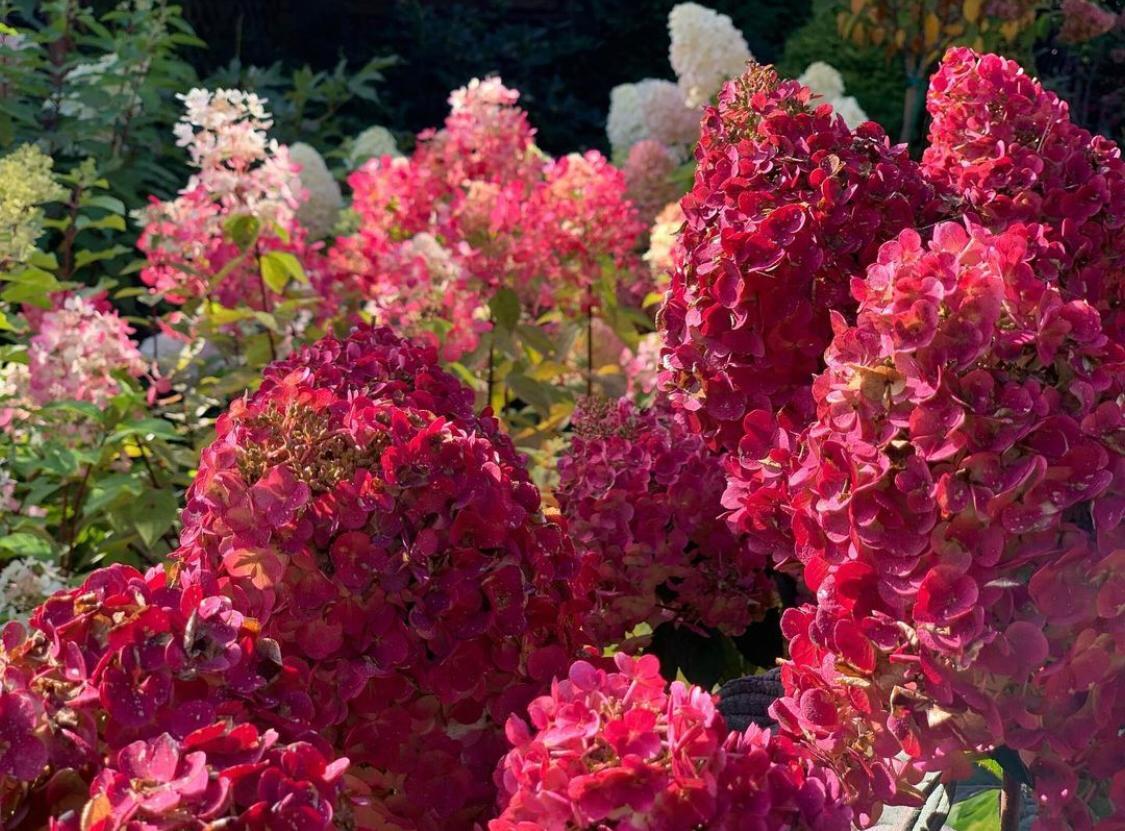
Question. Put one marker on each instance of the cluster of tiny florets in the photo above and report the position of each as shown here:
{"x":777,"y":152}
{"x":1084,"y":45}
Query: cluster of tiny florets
{"x":642,"y":498}
{"x":618,"y":750}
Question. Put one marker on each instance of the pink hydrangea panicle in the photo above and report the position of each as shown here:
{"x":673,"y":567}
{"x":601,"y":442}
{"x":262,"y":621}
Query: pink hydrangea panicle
{"x":618,"y":750}
{"x":787,"y":207}
{"x":956,"y":507}
{"x":648,"y":182}
{"x":77,"y":347}
{"x":1009,"y":151}
{"x":239,"y":171}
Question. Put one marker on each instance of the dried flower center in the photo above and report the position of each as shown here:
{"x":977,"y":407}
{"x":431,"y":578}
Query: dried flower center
{"x":318,"y":452}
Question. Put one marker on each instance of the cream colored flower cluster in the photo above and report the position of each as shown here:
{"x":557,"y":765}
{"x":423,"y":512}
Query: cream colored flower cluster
{"x":707,"y":50}
{"x":825,"y":80}
{"x":650,"y":109}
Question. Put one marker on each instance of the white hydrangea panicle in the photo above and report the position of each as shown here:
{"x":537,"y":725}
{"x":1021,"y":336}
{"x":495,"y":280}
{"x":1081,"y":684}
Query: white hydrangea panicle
{"x":827,"y":82}
{"x":625,"y":125}
{"x":323,"y":201}
{"x":651,"y":109}
{"x":374,"y":142}
{"x":225,"y":133}
{"x":707,"y":50}
{"x":849,"y":109}
{"x":823,"y":79}
{"x":667,"y":116}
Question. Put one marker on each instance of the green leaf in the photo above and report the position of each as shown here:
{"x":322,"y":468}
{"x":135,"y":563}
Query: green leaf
{"x":537,"y":339}
{"x":113,"y":222}
{"x":21,"y":544}
{"x":536,"y":394}
{"x":152,"y":514}
{"x":505,"y":306}
{"x":243,"y":230}
{"x":977,"y":813}
{"x":278,"y":268}
{"x":148,"y":428}
{"x":103,"y":201}
{"x":993,"y":767}
{"x":84,"y":258}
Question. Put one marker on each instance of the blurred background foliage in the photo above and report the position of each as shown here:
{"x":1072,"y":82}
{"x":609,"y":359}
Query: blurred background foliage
{"x":563,"y":55}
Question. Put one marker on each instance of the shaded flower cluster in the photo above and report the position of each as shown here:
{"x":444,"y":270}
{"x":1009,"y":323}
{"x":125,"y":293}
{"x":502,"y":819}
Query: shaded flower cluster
{"x":392,"y":544}
{"x":641,"y":496}
{"x":788,"y":205}
{"x":969,"y":431}
{"x":648,"y":170}
{"x":618,"y":750}
{"x":1008,"y":150}
{"x":132,"y":703}
{"x":75,"y":351}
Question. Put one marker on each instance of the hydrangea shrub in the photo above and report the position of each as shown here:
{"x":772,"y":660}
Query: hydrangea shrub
{"x":947,"y":476}
{"x":365,"y":591}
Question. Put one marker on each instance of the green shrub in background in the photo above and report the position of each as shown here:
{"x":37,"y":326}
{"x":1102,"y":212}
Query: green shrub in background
{"x":875,"y":82}
{"x":86,"y":85}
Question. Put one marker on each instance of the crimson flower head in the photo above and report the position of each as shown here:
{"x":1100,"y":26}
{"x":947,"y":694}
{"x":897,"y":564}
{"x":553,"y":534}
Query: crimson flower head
{"x":788,"y":206}
{"x":1009,"y":151}
{"x":133,"y":703}
{"x":957,"y":510}
{"x":391,"y":543}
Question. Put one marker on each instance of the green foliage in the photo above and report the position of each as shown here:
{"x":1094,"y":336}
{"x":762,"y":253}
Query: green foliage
{"x":980,"y":812}
{"x":80,"y":85}
{"x":876,"y":82}
{"x":318,"y":107}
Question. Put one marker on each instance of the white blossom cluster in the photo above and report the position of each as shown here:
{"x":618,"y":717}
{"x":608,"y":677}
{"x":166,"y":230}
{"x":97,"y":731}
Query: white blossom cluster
{"x":824,"y":80}
{"x":374,"y":142}
{"x":651,"y":109}
{"x":707,"y":50}
{"x":24,"y":584}
{"x":323,"y":200}
{"x":225,"y":133}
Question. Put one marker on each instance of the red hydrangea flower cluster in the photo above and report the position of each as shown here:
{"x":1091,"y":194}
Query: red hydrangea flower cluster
{"x":619,"y":751}
{"x":393,"y":545}
{"x":503,"y":212}
{"x":788,"y":205}
{"x":133,"y":704}
{"x":1008,"y":150}
{"x":969,"y":431}
{"x":641,"y":496}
